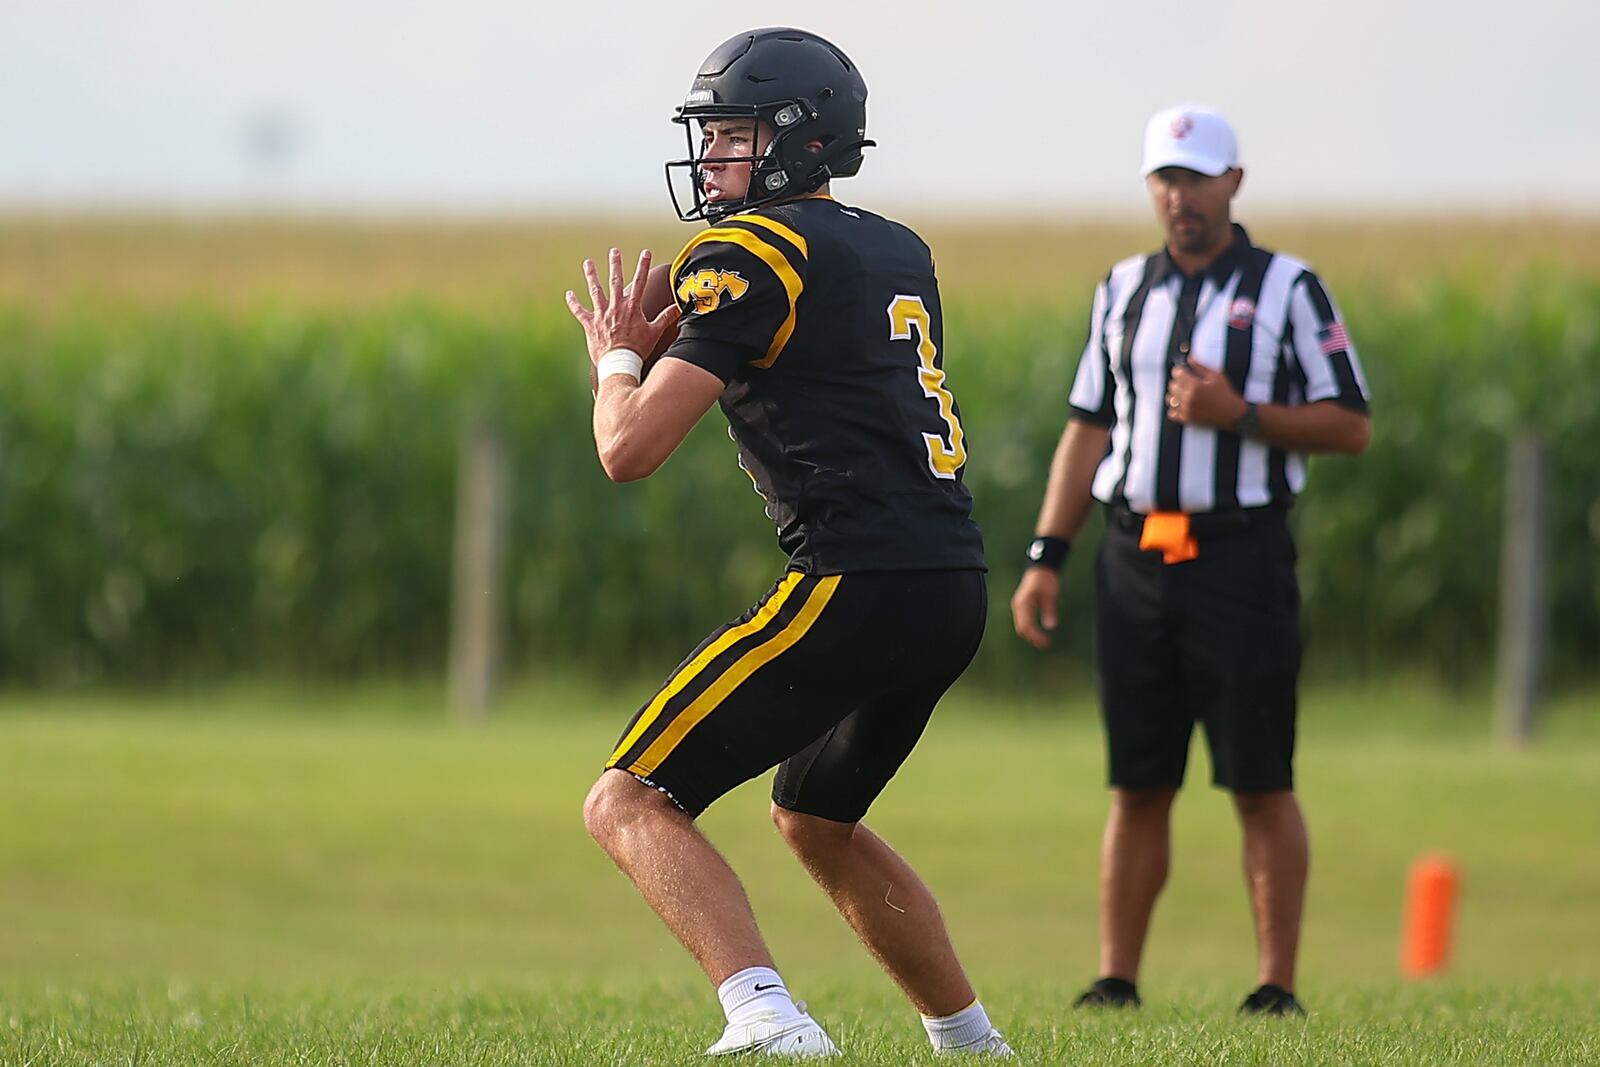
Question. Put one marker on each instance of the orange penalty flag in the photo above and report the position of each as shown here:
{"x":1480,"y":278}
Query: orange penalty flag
{"x":1431,"y":891}
{"x":1168,"y":532}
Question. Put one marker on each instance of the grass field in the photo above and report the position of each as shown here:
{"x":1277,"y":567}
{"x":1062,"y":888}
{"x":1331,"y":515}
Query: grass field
{"x":270,"y":877}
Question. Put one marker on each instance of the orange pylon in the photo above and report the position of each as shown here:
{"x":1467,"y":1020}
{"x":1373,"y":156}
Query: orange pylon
{"x":1429,"y":916}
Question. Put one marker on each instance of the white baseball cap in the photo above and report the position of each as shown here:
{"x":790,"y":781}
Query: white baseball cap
{"x":1190,"y":136}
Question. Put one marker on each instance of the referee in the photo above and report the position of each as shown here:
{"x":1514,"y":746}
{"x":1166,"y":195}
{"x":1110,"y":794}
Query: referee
{"x":1213,"y":368}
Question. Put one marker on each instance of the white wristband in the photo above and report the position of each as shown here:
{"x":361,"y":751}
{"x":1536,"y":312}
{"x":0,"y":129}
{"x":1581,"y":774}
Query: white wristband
{"x":619,"y":361}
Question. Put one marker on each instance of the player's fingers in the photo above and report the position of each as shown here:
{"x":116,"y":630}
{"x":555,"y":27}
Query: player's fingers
{"x":579,"y":312}
{"x":1047,"y":614}
{"x":615,"y":258}
{"x":640,"y":275}
{"x":596,"y":294}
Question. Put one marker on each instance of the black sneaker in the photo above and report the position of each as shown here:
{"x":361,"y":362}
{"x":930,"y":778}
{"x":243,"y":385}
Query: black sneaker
{"x":1109,"y":993}
{"x":1271,"y":1000}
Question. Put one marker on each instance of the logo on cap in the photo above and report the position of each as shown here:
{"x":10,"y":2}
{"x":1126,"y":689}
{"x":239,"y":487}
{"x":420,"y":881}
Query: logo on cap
{"x":1182,"y":126}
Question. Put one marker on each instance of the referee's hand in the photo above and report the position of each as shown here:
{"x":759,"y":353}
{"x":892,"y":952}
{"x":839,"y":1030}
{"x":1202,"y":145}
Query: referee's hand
{"x":1202,"y":396}
{"x":1034,"y":603}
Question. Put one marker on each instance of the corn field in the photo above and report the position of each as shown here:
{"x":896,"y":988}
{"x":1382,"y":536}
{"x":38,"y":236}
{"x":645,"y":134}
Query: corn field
{"x":230,"y":446}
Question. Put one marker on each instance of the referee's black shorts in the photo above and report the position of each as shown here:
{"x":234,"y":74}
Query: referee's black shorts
{"x":832,"y":677}
{"x":1215,"y":639}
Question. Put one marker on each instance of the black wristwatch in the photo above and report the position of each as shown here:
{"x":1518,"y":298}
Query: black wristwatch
{"x":1249,"y":423}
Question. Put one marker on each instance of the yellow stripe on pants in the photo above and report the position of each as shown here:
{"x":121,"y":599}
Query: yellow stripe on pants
{"x":729,"y":638}
{"x":731,"y":679}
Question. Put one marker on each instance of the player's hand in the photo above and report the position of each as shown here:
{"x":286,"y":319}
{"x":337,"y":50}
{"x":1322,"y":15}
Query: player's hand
{"x":1201,"y":396}
{"x":1034,"y":603}
{"x":618,"y":318}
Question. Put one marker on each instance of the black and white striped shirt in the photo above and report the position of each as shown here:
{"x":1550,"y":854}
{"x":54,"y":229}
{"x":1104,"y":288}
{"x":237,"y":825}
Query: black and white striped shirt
{"x":1263,"y":318}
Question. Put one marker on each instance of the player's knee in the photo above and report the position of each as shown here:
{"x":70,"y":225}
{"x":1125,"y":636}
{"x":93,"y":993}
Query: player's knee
{"x":783,"y":819}
{"x":618,"y":801}
{"x":595,"y":809}
{"x":808,"y":833}
{"x":608,"y":806}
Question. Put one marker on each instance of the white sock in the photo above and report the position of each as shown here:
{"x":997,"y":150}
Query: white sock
{"x":755,"y":990}
{"x":966,"y":1027}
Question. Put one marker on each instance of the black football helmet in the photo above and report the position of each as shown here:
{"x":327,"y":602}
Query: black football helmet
{"x":802,"y":87}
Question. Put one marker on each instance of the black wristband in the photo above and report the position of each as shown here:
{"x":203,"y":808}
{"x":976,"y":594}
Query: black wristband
{"x":1049,"y":552}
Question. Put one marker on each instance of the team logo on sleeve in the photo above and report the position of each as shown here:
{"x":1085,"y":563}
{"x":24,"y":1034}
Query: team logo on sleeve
{"x":705,"y":289}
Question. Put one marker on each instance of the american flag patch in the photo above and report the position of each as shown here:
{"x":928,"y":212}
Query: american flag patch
{"x":1333,"y":338}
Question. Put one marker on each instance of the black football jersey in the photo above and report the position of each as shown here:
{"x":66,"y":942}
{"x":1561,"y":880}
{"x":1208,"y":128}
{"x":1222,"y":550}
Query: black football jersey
{"x":824,"y":322}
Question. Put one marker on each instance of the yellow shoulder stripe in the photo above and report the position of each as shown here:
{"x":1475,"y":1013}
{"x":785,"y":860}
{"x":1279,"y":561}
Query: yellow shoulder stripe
{"x":776,"y":227}
{"x":772,"y":257}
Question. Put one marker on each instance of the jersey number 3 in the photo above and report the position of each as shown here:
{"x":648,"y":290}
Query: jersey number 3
{"x":946,"y":455}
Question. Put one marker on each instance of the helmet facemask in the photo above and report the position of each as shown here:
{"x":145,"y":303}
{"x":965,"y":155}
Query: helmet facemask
{"x":786,"y":169}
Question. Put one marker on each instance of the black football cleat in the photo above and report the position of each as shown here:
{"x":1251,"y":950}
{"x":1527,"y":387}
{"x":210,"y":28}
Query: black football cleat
{"x":1271,"y":1000}
{"x":1109,"y":993}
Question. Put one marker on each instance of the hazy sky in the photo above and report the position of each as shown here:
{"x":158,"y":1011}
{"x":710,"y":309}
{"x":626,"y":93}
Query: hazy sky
{"x":1003,"y":107}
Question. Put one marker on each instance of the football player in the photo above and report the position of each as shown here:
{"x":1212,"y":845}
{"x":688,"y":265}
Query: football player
{"x":816,"y":326}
